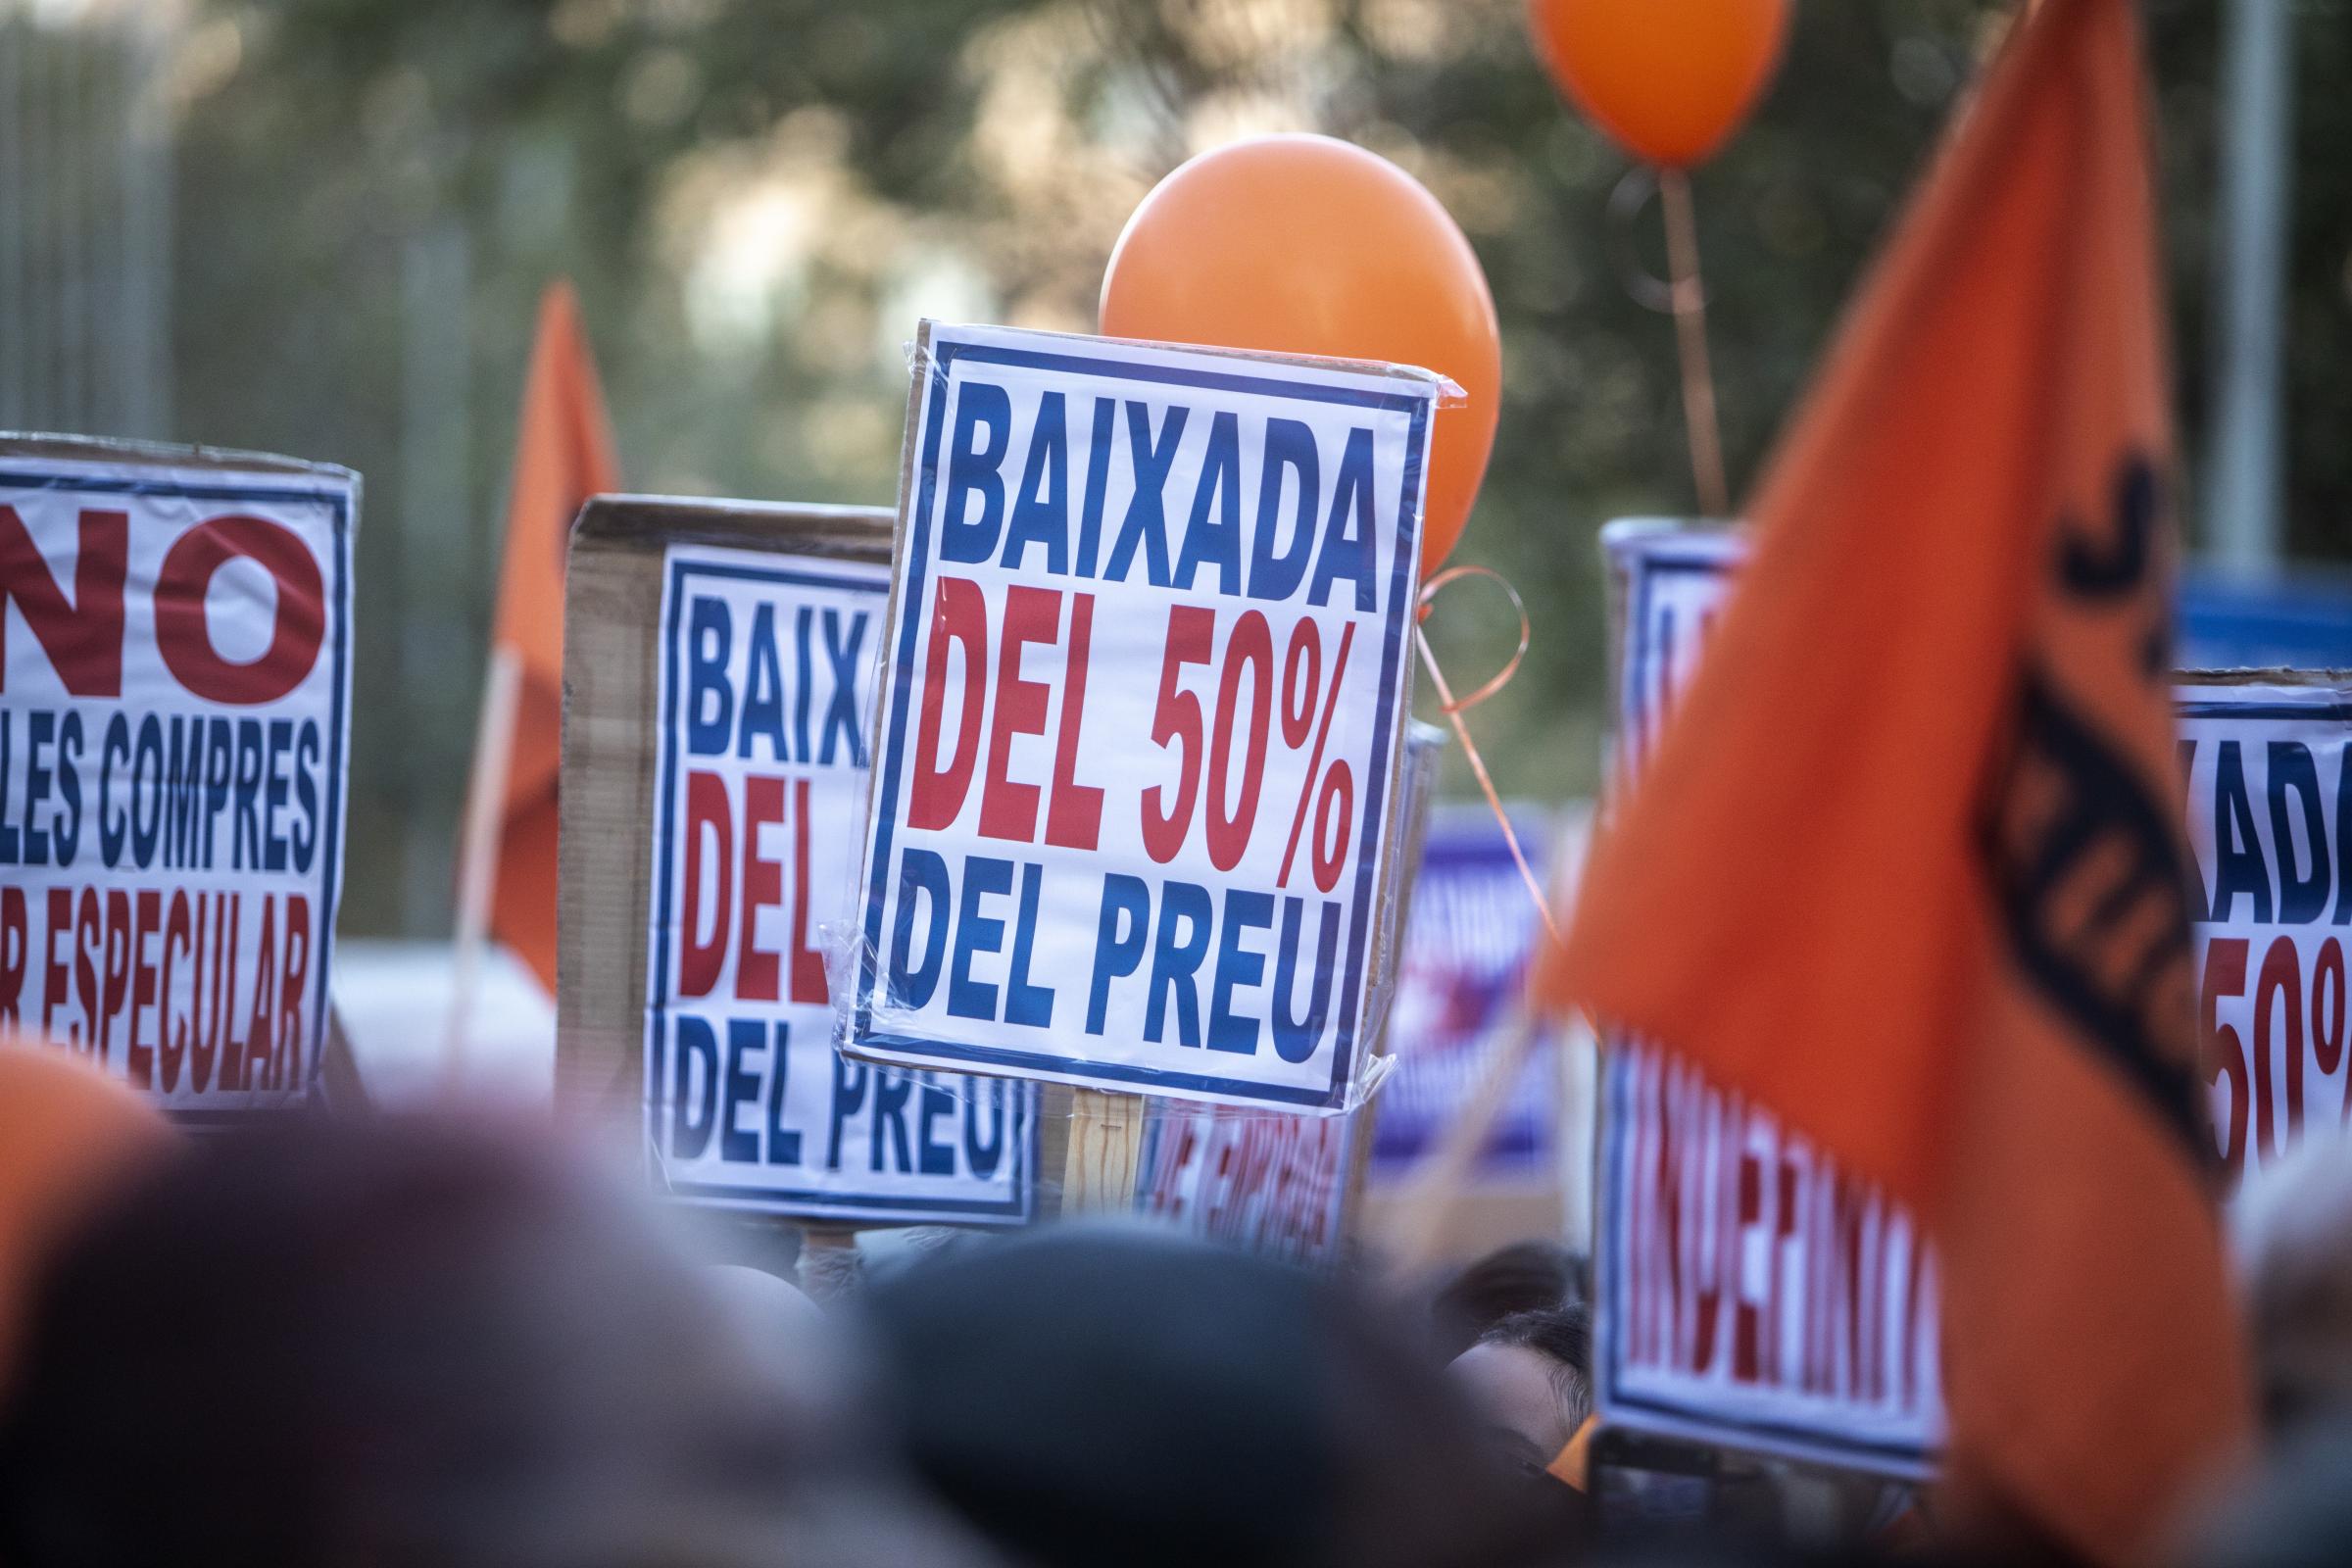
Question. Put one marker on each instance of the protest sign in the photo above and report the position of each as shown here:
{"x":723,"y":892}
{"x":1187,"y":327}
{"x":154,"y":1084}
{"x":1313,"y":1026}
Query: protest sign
{"x":1275,"y":1182}
{"x":175,"y":682}
{"x":729,"y":709}
{"x":1751,"y":1295}
{"x":1666,"y":583}
{"x":1288,"y":1184}
{"x":2270,"y":816}
{"x":1141,"y":716}
{"x":1467,"y":943}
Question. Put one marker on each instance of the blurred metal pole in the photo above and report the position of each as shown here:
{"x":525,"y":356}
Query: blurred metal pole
{"x":2243,"y":507}
{"x":69,"y":286}
{"x":433,"y":586}
{"x":14,"y":221}
{"x":107,"y":130}
{"x":144,"y":366}
{"x":33,"y":337}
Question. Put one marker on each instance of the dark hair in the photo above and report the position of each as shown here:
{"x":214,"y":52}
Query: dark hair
{"x":1563,"y":1335}
{"x":1523,"y":1277}
{"x":443,"y":1344}
{"x":1097,"y":1383}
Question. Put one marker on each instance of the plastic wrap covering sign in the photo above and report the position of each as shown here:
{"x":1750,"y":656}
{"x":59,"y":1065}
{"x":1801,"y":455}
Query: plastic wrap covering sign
{"x":1467,"y":943}
{"x":174,"y":670}
{"x":1286,"y":1183}
{"x":2269,"y":814}
{"x":1752,"y":1294}
{"x":764,"y":672}
{"x":1143,"y":710}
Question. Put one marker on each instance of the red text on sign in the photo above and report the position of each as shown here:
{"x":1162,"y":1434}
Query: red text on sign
{"x":734,"y":874}
{"x":1008,"y":806}
{"x":82,"y":637}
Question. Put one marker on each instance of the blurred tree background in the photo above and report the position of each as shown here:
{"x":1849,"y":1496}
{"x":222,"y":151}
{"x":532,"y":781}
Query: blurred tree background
{"x":758,"y":198}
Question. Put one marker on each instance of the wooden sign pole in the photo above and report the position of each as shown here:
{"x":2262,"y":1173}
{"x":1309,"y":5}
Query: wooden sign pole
{"x":477,"y":860}
{"x":1105,"y":1141}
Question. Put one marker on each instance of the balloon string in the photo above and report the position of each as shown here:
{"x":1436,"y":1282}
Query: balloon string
{"x":1434,"y":1184}
{"x":1429,"y":1193}
{"x":1485,"y":783}
{"x":1690,"y":342}
{"x":1502,"y":678}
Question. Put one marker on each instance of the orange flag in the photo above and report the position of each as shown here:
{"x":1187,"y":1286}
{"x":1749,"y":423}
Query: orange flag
{"x":562,"y":456}
{"x":1907,"y":866}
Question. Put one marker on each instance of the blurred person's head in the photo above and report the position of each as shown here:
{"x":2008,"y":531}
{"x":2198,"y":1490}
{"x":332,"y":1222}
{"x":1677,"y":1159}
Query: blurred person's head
{"x":1103,"y":1393}
{"x":1530,"y":1378}
{"x":68,"y":1135}
{"x":377,"y":1342}
{"x":767,"y":1303}
{"x":1522,"y":1277}
{"x":2292,"y":1511}
{"x":2292,"y":1225}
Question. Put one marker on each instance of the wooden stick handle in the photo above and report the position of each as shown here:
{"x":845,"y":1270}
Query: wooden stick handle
{"x":1419,"y":1222}
{"x":477,"y":862}
{"x":1106,"y":1140}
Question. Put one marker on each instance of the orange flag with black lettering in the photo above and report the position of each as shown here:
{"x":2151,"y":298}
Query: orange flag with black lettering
{"x":562,"y":456}
{"x":1907,"y":866}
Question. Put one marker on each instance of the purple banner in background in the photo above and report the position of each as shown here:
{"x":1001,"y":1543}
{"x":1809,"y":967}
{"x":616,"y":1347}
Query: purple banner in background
{"x":1467,"y":942}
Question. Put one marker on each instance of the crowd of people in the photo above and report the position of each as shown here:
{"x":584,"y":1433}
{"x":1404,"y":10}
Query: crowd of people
{"x":379,"y":1340}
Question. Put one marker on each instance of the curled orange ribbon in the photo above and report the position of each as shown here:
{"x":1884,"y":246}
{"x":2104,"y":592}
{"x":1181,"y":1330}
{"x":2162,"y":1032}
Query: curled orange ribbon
{"x":1454,"y":707}
{"x":1502,"y":676}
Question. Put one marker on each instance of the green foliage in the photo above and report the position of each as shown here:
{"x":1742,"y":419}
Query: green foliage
{"x":890,"y":157}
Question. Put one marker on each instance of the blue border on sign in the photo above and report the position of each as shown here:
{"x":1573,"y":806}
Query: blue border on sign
{"x":916,"y":545}
{"x":2326,"y":702}
{"x":1682,"y":558}
{"x":1816,"y":1441}
{"x":1025,"y":1132}
{"x":1771,"y":1437}
{"x":338,"y":505}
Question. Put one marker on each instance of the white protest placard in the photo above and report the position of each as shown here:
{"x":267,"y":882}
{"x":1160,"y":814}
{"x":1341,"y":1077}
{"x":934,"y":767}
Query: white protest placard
{"x":2270,"y":816}
{"x":1273,"y":1182}
{"x":1752,"y":1294}
{"x":763,"y":682}
{"x":175,"y":679}
{"x":1287,"y":1184}
{"x":1671,"y":583}
{"x":1468,"y":943}
{"x":1141,"y":716}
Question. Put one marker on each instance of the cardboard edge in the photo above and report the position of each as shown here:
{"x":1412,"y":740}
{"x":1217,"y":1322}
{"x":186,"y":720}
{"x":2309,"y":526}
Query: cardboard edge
{"x":610,"y":658}
{"x":171,"y":454}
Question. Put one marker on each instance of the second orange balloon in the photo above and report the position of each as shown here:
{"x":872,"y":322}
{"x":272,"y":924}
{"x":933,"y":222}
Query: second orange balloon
{"x":1668,"y":78}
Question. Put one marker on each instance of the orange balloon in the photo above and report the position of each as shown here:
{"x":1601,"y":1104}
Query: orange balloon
{"x":66,"y":1132}
{"x":1302,"y":244}
{"x":1668,"y":78}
